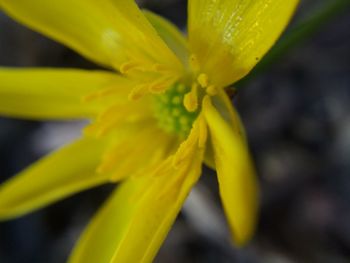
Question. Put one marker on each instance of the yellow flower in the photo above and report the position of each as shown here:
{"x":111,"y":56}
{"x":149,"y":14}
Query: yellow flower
{"x":154,"y":120}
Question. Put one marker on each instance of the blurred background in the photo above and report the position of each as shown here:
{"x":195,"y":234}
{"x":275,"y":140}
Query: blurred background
{"x":297,"y":116}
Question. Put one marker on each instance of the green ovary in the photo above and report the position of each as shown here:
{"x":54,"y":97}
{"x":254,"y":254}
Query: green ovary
{"x":171,"y":113}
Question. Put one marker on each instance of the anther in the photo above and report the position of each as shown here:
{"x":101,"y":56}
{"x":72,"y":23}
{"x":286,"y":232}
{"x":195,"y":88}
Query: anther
{"x":159,"y":68}
{"x":203,"y":80}
{"x":90,"y":97}
{"x":138,"y":92}
{"x":160,"y":85}
{"x":212,"y":90}
{"x":128,"y":66}
{"x":191,"y":99}
{"x":99,"y":94}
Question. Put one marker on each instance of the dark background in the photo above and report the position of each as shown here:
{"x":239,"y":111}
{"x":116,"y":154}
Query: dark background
{"x":297,"y":116}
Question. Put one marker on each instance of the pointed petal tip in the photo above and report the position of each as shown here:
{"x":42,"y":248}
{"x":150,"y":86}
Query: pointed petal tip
{"x":236,"y":174}
{"x":244,"y":236}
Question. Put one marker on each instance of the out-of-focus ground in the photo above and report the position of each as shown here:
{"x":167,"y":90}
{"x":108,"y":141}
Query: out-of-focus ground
{"x":297,"y":116}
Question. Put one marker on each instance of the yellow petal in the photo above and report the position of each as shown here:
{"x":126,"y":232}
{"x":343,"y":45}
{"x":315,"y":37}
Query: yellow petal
{"x":134,"y":222}
{"x":51,"y":93}
{"x":170,"y":34}
{"x":109,"y":32}
{"x":56,"y":176}
{"x":236,"y":175}
{"x":209,"y":155}
{"x":223,"y":104}
{"x":229,"y":37}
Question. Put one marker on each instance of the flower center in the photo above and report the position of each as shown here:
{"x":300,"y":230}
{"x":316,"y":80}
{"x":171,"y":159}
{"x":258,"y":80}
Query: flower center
{"x":171,"y":113}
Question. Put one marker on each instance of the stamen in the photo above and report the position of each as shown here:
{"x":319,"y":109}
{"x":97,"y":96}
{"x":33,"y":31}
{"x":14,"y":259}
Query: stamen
{"x":98,"y":94}
{"x":95,"y":95}
{"x":203,"y":80}
{"x":160,"y":85}
{"x":212,"y":90}
{"x":160,"y":68}
{"x":99,"y":129}
{"x":111,"y":112}
{"x":129,"y":66}
{"x":138,"y":92}
{"x":115,"y":115}
{"x":91,"y":96}
{"x":191,"y":99}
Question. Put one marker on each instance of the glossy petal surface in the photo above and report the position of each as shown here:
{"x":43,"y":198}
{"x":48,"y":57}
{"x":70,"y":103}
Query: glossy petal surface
{"x":110,"y":32}
{"x":229,"y":37}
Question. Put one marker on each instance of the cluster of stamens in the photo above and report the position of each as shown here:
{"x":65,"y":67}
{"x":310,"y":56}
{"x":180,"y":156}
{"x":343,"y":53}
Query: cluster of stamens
{"x":177,"y":103}
{"x":171,"y":113}
{"x":177,"y":108}
{"x":161,"y":73}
